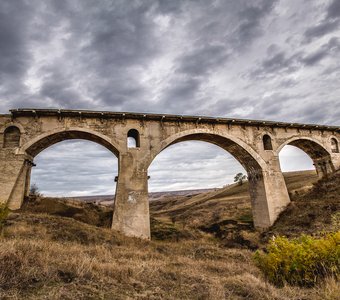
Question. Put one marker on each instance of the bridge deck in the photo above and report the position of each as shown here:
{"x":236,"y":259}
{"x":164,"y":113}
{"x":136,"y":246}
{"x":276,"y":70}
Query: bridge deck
{"x":164,"y":118}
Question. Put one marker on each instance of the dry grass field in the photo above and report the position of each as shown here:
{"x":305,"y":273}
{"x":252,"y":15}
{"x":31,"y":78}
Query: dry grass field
{"x":202,"y":248}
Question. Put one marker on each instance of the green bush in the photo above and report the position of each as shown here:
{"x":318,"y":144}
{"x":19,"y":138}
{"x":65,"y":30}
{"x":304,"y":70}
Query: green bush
{"x":303,"y":261}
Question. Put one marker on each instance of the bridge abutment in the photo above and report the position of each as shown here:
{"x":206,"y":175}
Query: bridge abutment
{"x":15,"y":173}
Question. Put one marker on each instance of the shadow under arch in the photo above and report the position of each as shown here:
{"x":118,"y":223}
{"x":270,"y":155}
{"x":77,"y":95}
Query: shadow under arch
{"x":316,"y":151}
{"x":43,"y":141}
{"x":312,"y":147}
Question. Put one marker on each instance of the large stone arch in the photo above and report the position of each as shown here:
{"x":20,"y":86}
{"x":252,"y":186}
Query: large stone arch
{"x":24,"y":156}
{"x":315,"y":150}
{"x":244,"y":153}
{"x":47,"y":139}
{"x":267,"y":189}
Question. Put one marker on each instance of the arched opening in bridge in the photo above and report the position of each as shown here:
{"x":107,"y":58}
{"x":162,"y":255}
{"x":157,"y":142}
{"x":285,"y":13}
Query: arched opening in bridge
{"x":303,"y":161}
{"x":267,"y":142}
{"x":293,"y":159}
{"x":75,"y":168}
{"x":204,"y":166}
{"x":133,"y":140}
{"x":192,"y":165}
{"x":334,"y":145}
{"x":11,"y":137}
{"x":78,"y":167}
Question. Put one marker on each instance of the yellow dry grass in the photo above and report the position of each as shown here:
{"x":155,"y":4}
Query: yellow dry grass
{"x":53,"y":257}
{"x":49,"y":257}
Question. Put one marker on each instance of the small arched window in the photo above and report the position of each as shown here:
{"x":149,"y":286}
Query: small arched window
{"x":334,"y":145}
{"x":11,"y":137}
{"x":133,"y":139}
{"x":267,"y":142}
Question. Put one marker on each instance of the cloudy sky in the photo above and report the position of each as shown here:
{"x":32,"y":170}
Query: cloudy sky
{"x":275,"y":60}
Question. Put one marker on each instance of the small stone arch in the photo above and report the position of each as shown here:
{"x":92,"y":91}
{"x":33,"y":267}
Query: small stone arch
{"x":12,"y":137}
{"x":267,"y":142}
{"x":133,"y":139}
{"x":334,"y":145}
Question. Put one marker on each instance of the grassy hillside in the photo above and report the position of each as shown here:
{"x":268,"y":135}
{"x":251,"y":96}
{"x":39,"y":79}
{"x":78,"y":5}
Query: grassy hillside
{"x":52,"y":257}
{"x":226,"y":213}
{"x":193,"y":255}
{"x":313,"y":212}
{"x":81,"y":211}
{"x":230,"y":202}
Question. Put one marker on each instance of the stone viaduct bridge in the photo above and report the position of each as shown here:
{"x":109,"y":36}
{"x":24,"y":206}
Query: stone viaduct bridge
{"x":255,"y":144}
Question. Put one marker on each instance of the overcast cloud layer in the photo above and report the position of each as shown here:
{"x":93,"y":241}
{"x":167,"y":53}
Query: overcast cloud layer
{"x":277,"y":60}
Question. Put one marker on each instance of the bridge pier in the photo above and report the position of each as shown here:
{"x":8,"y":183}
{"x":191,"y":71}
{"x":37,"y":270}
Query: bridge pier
{"x":324,"y":166}
{"x":268,"y":193}
{"x":131,"y":209}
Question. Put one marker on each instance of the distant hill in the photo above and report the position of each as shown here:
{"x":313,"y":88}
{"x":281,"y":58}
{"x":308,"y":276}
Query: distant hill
{"x":108,"y":199}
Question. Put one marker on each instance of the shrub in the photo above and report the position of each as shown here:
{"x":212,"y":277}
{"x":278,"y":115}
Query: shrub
{"x":34,"y":190}
{"x":163,"y":231}
{"x":303,"y":261}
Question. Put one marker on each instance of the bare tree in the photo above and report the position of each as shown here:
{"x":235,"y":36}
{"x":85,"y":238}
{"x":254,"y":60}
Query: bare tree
{"x":34,"y":191}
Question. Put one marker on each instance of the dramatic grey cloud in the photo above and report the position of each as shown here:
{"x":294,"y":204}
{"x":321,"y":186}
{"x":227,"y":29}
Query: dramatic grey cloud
{"x":258,"y":59}
{"x":329,"y":22}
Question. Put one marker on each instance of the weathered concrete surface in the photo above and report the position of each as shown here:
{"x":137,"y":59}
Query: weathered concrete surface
{"x":255,"y":144}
